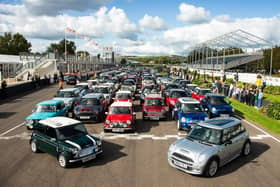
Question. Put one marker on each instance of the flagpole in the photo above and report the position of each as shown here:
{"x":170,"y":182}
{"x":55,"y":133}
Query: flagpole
{"x":65,"y":51}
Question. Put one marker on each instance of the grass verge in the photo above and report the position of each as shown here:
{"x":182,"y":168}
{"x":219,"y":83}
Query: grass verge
{"x":252,"y":114}
{"x":272,"y":98}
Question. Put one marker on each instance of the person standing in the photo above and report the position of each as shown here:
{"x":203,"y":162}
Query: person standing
{"x":260,"y":98}
{"x":3,"y":88}
{"x":60,"y":84}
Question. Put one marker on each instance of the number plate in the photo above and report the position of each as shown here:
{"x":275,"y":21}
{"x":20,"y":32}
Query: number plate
{"x":84,"y":117}
{"x":180,"y":164}
{"x":117,"y":130}
{"x":88,"y":158}
{"x":155,"y":118}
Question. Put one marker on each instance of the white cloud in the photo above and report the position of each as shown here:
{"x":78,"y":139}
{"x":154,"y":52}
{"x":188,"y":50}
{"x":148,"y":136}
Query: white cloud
{"x":192,"y":14}
{"x":155,"y":23}
{"x":18,"y":19}
{"x":54,"y":7}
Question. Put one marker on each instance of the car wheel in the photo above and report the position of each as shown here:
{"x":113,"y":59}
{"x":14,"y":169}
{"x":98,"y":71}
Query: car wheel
{"x":246,"y":148}
{"x":212,"y":167}
{"x":63,"y":162}
{"x":178,"y":125}
{"x":34,"y":147}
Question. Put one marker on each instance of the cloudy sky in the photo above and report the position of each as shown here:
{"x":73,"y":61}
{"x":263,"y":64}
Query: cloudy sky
{"x":139,"y":27}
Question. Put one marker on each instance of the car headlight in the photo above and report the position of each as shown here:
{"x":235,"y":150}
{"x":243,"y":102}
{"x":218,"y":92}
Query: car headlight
{"x":171,"y":148}
{"x":74,"y":150}
{"x":232,"y":109}
{"x":107,"y":121}
{"x":206,"y":118}
{"x":98,"y":142}
{"x":214,"y":109}
{"x":183,"y":120}
{"x":202,"y":158}
{"x":128,"y":122}
{"x":29,"y":122}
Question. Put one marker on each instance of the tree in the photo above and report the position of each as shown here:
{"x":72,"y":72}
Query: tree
{"x":82,"y":53}
{"x":123,"y":61}
{"x":60,"y":47}
{"x":14,"y":44}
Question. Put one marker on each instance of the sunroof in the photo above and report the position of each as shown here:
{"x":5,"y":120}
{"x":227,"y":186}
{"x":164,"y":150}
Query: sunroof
{"x":220,"y":122}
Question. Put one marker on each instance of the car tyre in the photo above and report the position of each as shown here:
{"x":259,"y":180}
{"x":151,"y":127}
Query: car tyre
{"x":63,"y":161}
{"x":246,"y":150}
{"x":211,"y":167}
{"x":34,"y":147}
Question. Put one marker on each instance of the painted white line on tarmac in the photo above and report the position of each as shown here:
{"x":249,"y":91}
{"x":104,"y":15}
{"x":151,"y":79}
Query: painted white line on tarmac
{"x":10,"y":130}
{"x":261,"y":130}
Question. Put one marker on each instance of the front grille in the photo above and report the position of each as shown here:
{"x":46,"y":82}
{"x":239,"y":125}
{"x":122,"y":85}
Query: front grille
{"x":183,"y":157}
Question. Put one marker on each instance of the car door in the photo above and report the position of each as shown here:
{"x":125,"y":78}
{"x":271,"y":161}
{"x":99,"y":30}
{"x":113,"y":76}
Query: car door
{"x":51,"y":140}
{"x":227,"y":149}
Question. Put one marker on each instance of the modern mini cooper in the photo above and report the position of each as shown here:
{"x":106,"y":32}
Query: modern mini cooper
{"x":154,"y":107}
{"x":188,"y":112}
{"x":46,"y":109}
{"x":210,"y":145}
{"x":120,"y":117}
{"x":66,"y":139}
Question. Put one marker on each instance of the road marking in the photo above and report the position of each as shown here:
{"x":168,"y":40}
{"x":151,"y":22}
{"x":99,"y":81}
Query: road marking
{"x":258,"y":128}
{"x":10,"y":130}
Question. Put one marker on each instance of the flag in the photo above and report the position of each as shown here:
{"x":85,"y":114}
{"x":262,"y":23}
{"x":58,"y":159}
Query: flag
{"x":87,"y":38}
{"x":70,"y":30}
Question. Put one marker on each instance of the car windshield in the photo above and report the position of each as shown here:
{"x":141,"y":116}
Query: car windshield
{"x":191,"y":87}
{"x":170,"y":86}
{"x":103,"y":90}
{"x":71,"y":131}
{"x":45,"y":108}
{"x":179,"y":94}
{"x":120,"y":110}
{"x":154,"y":102}
{"x":205,"y":134}
{"x":66,"y":94}
{"x":218,"y":101}
{"x":90,"y":101}
{"x":123,"y":96}
{"x":204,"y":92}
{"x":192,"y":107}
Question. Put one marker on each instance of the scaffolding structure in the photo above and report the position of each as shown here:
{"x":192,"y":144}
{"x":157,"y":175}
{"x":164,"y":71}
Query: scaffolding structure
{"x":229,"y":50}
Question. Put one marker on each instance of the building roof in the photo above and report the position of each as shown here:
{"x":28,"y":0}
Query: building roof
{"x":58,"y":122}
{"x":50,"y":102}
{"x":121,"y":104}
{"x":10,"y":59}
{"x":220,"y":122}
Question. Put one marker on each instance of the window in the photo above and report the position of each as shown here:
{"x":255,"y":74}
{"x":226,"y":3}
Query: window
{"x":232,"y":132}
{"x":50,"y":132}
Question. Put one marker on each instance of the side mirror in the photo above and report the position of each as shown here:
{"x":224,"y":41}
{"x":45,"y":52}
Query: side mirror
{"x":228,"y":142}
{"x":53,"y":140}
{"x":106,"y":113}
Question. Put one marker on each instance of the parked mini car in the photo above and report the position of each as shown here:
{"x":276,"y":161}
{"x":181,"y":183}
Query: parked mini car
{"x":154,"y":107}
{"x":84,"y":88}
{"x":217,"y":106}
{"x":46,"y":109}
{"x":120,"y":117}
{"x":199,"y":93}
{"x":188,"y":112}
{"x":106,"y":91}
{"x":210,"y":145}
{"x":91,"y":107}
{"x":66,"y":139}
{"x":70,"y":97}
{"x":72,"y":79}
{"x":123,"y":96}
{"x":173,"y":96}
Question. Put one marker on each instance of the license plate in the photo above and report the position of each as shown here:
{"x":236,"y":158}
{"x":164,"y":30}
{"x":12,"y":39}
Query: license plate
{"x":84,"y":117}
{"x":117,"y":130}
{"x":88,"y":158}
{"x":155,"y":118}
{"x":180,"y":164}
{"x":224,"y":115}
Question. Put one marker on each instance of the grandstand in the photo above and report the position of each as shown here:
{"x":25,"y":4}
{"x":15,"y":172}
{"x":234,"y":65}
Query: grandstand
{"x":228,"y":52}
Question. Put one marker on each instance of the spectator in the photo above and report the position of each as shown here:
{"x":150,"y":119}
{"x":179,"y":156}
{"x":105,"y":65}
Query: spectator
{"x":55,"y":77}
{"x":230,"y":90}
{"x":60,"y":84}
{"x":3,"y":88}
{"x":252,"y":97}
{"x":259,"y":99}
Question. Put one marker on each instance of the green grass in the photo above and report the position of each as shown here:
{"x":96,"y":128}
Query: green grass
{"x":252,"y":114}
{"x":272,"y":98}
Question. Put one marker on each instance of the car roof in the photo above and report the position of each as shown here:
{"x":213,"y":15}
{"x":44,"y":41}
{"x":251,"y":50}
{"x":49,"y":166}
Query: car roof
{"x":191,"y":84}
{"x":93,"y":95}
{"x":149,"y":96}
{"x":50,"y":102}
{"x":177,"y":90}
{"x":188,"y":100}
{"x":123,"y":92}
{"x":58,"y":122}
{"x":121,"y":103}
{"x":214,"y":95}
{"x":220,"y":122}
{"x":69,"y":89}
{"x":82,"y":84}
{"x":202,"y":88}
